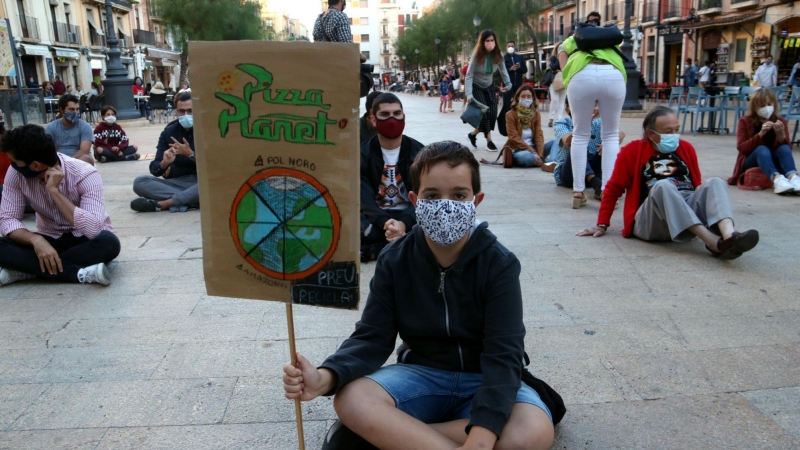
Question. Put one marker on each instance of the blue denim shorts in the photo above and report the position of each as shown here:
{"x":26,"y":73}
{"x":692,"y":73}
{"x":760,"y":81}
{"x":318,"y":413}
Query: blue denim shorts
{"x":435,"y":396}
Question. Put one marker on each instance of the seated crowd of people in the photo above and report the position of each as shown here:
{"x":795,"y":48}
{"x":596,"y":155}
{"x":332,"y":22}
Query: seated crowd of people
{"x":54,"y":178}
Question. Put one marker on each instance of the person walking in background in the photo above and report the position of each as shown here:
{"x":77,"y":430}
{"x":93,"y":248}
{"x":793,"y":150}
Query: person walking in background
{"x":704,"y":74}
{"x":557,"y":96}
{"x":794,"y":77}
{"x":479,"y":84}
{"x":767,"y":73}
{"x":762,"y":139}
{"x":592,"y":78}
{"x":516,"y":67}
{"x":59,"y":88}
{"x":110,"y":141}
{"x":444,"y":93}
{"x":689,"y":74}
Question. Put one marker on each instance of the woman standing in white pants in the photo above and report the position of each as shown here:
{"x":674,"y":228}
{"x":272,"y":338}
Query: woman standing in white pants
{"x":557,"y":98}
{"x":592,"y":78}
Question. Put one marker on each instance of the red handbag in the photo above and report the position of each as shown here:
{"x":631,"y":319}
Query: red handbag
{"x":753,"y":180}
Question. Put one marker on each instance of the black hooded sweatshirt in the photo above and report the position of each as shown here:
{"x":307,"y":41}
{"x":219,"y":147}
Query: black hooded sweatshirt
{"x":466,"y":318}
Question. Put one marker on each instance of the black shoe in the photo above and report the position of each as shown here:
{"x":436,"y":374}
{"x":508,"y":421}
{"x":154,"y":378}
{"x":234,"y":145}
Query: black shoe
{"x":490,"y":145}
{"x":339,"y":437}
{"x":145,"y":205}
{"x":473,"y":140}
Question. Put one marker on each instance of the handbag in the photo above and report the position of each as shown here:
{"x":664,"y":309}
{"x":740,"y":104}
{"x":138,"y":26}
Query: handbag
{"x":753,"y":180}
{"x":558,"y":82}
{"x":548,"y":77}
{"x":589,"y":36}
{"x":508,"y":159}
{"x":472,"y":115}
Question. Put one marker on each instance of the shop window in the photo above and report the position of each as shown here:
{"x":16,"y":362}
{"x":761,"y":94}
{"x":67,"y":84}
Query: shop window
{"x":741,"y":50}
{"x":364,"y":38}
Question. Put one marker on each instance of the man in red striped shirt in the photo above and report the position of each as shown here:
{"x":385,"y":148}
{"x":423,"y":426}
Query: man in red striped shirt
{"x":73,"y":241}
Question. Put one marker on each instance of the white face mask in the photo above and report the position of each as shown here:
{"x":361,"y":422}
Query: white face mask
{"x":766,"y":111}
{"x":510,"y":50}
{"x":526,"y":102}
{"x":110,"y":119}
{"x":445,"y":221}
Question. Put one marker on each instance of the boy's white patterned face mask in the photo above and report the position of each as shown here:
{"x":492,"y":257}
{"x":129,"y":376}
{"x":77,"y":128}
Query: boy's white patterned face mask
{"x":445,"y":221}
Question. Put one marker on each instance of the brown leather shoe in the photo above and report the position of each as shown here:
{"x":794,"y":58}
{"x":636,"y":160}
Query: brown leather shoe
{"x":736,"y":245}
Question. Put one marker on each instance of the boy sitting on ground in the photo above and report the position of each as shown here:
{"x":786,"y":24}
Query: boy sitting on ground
{"x":452,"y":292}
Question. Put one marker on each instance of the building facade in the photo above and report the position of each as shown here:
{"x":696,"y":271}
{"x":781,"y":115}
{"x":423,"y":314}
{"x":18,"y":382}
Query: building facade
{"x":68,"y":38}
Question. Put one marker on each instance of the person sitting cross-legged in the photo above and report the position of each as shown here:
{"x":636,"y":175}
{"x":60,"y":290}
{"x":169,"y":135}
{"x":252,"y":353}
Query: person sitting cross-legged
{"x":73,"y":241}
{"x":665,"y":196}
{"x":524,"y":126}
{"x":173,"y":185}
{"x":763,"y":141}
{"x":386,"y":211}
{"x":451,"y":292}
{"x":110,"y":141}
{"x":72,"y":135}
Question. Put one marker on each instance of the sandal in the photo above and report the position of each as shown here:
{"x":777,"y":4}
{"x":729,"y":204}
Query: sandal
{"x":577,"y":202}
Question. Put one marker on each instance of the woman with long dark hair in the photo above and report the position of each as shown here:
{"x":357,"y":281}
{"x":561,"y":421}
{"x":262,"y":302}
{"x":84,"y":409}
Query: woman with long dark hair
{"x":479,"y":84}
{"x":524,"y":125}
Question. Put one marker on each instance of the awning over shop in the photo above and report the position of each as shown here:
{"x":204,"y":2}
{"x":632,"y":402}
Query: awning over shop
{"x":95,"y":55}
{"x":725,"y":21}
{"x":120,"y":29}
{"x":169,"y":63}
{"x":98,"y":29}
{"x":67,"y":53}
{"x":35,"y":50}
{"x":126,"y":60}
{"x":154,"y":54}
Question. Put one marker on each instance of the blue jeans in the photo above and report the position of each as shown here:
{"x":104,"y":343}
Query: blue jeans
{"x":778,"y":162}
{"x":435,"y":396}
{"x":144,"y":109}
{"x":524,"y":158}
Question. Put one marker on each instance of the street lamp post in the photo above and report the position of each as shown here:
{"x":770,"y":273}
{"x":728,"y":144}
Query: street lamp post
{"x":438,"y":60}
{"x":404,"y":68}
{"x":477,"y":22}
{"x":117,"y":84}
{"x":632,"y":91}
{"x":416,"y":50}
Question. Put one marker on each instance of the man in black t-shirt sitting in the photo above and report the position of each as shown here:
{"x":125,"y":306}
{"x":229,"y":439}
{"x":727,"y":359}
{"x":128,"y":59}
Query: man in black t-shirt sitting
{"x":387,"y":214}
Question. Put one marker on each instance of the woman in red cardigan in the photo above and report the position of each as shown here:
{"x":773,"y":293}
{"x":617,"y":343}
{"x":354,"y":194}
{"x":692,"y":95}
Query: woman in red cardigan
{"x":110,"y":141}
{"x":666,"y":199}
{"x":763,"y":141}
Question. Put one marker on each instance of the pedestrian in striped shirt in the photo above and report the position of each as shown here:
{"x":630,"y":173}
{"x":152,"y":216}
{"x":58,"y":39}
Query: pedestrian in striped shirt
{"x":73,"y":241}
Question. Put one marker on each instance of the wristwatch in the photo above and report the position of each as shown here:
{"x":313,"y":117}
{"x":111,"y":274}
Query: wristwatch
{"x":192,"y":156}
{"x":603,"y":226}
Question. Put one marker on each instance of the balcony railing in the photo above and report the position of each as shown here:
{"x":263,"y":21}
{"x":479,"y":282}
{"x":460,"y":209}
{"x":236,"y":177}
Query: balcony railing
{"x":674,"y":13}
{"x":650,"y":13}
{"x":144,"y":36}
{"x":67,"y":33}
{"x":96,"y":40}
{"x":124,"y":41}
{"x":30,"y":27}
{"x":163,"y":45}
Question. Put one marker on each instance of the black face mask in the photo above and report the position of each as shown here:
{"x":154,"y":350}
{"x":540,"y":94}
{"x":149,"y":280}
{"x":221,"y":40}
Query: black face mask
{"x":595,"y":22}
{"x":26,"y":171}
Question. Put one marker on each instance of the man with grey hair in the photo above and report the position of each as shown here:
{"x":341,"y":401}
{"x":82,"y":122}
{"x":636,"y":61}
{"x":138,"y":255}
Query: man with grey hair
{"x":666,"y":198}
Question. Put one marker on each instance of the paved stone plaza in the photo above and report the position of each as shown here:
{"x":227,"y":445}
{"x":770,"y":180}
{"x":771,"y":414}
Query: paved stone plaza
{"x":651,"y":346}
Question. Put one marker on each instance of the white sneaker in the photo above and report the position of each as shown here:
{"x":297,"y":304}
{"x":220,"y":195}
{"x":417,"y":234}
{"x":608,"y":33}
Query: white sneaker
{"x":97,"y":273}
{"x":8,"y":276}
{"x":795,"y":182}
{"x":782,"y":185}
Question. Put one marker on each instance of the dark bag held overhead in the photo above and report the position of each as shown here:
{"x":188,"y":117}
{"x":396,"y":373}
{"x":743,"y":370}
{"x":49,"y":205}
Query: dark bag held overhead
{"x":590,"y":37}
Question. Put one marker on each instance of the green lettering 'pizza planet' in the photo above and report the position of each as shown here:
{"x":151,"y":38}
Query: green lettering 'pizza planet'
{"x":285,"y":223}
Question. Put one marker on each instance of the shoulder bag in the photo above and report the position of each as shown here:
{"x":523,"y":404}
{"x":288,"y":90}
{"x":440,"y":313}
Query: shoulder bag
{"x":590,"y":37}
{"x":558,"y":82}
{"x":507,"y":154}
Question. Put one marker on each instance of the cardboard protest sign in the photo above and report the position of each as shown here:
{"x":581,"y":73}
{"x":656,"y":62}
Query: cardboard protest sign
{"x":276,"y":133}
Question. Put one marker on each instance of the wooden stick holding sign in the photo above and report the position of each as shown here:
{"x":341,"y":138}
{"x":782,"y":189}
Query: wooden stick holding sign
{"x":298,"y":410}
{"x":278,"y":172}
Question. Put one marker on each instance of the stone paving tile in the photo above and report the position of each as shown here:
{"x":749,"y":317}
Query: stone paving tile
{"x":154,"y":330}
{"x":709,"y":422}
{"x":581,"y":379}
{"x":86,"y":364}
{"x":22,"y":364}
{"x":258,"y":436}
{"x":29,"y":334}
{"x":737,"y":331}
{"x":711,"y":371}
{"x":15,"y":399}
{"x":124,"y":284}
{"x":261,"y":399}
{"x":129,"y":403}
{"x":780,"y":405}
{"x":78,"y":439}
{"x":129,"y":306}
{"x":23,"y":309}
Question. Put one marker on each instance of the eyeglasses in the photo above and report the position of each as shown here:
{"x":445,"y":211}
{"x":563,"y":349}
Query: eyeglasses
{"x":180,"y":112}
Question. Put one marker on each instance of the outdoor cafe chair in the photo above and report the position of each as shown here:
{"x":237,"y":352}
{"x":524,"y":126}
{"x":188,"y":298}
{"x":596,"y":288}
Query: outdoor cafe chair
{"x":733,"y":101}
{"x":676,"y":100}
{"x":702,"y":106}
{"x":793,"y":111}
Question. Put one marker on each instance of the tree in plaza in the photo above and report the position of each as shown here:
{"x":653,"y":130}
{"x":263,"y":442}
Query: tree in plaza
{"x":209,"y":20}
